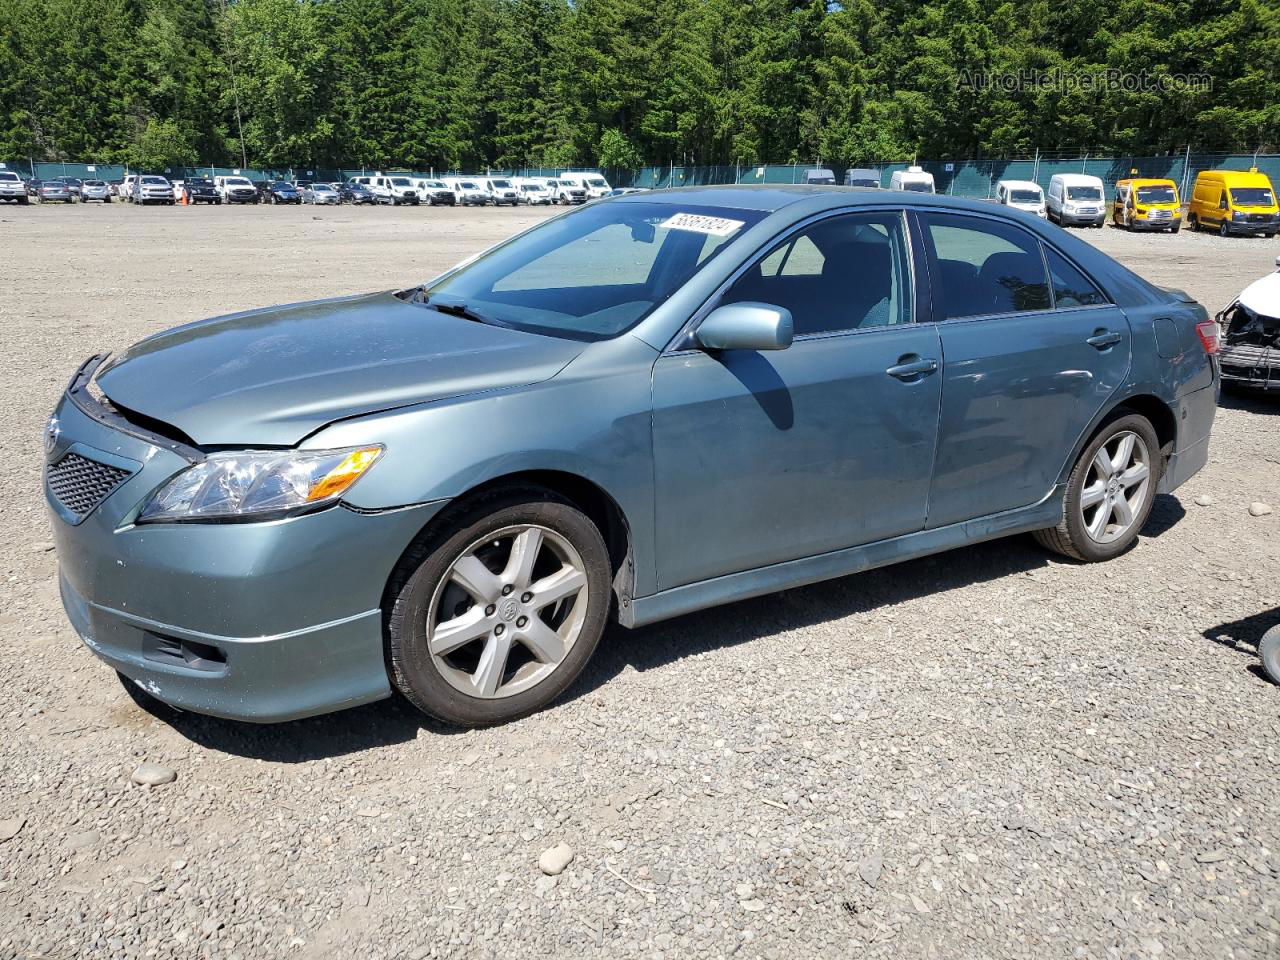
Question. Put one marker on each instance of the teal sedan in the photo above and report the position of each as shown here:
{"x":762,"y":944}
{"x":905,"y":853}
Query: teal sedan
{"x":643,"y":407}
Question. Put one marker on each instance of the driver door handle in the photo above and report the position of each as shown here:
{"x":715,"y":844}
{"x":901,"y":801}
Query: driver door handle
{"x":911,"y":367}
{"x":1103,"y":339}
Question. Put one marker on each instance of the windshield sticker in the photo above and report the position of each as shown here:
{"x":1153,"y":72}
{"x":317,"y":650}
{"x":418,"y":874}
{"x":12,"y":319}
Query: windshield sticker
{"x":715,"y":226}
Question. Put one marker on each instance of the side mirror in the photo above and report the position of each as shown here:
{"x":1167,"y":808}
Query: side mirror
{"x":746,"y":326}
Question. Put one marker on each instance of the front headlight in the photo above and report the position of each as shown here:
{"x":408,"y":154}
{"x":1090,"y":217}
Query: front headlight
{"x":258,"y":485}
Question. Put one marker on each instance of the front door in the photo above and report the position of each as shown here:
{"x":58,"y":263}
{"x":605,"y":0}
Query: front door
{"x":763,"y":457}
{"x":1032,"y":354}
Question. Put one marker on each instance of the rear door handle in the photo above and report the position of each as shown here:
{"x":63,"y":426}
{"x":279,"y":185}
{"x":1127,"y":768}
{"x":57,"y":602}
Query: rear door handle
{"x":912,"y":367}
{"x":1103,"y":339}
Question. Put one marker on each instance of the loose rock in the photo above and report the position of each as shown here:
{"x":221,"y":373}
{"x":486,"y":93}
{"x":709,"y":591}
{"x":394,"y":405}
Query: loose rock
{"x":1259,"y":509}
{"x":554,"y":860}
{"x":153,"y":775}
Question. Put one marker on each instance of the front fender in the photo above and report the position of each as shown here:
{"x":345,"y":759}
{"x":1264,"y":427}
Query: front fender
{"x":592,"y":421}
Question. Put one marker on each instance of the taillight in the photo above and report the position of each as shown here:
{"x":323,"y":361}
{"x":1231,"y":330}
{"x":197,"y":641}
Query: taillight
{"x":1210,"y":334}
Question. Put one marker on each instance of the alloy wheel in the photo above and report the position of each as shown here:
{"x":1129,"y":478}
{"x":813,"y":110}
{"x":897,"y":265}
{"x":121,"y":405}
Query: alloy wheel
{"x":1115,"y":487}
{"x":507,"y":612}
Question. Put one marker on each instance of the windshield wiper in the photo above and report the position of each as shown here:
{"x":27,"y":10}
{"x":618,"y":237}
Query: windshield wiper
{"x":456,"y":308}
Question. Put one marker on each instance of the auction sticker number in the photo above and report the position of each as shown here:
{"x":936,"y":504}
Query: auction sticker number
{"x":715,"y":226}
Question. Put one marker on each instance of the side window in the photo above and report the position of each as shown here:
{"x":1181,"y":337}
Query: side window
{"x":985,"y":267}
{"x":843,"y":273}
{"x":1071,"y":288}
{"x":1222,"y":204}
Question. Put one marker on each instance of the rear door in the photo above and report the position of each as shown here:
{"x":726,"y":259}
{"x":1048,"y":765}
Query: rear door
{"x":1032,"y":350}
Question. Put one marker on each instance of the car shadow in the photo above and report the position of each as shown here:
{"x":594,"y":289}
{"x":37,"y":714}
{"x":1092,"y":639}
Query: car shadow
{"x":381,"y":724}
{"x":663,"y":644}
{"x":1247,"y":630}
{"x":1166,"y":511}
{"x":393,"y":721}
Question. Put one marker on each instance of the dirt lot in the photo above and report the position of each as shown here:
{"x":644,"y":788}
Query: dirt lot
{"x":990,"y":753}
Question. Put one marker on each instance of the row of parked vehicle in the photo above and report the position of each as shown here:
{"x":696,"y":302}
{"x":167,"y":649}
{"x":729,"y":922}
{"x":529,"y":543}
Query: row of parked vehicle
{"x":377,"y":188}
{"x":1227,"y":201}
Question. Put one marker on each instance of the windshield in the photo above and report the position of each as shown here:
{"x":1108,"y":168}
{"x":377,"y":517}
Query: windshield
{"x":531,"y":188}
{"x":1084,"y":193}
{"x":281,"y":185}
{"x":237,"y":182}
{"x":155,"y":181}
{"x":468,"y":185}
{"x":502,"y":183}
{"x":201,"y":182}
{"x":864,"y":183}
{"x":917,"y":186}
{"x":321,"y":188}
{"x":1252,"y":197}
{"x":400,"y":181}
{"x":8,"y":175}
{"x":1025,"y":196}
{"x":1156,"y":195}
{"x":595,"y":273}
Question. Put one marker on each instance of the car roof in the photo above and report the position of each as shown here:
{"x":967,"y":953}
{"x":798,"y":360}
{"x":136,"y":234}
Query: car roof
{"x":1078,"y":179}
{"x":769,"y":198}
{"x":1019,"y":184}
{"x":1240,"y":178}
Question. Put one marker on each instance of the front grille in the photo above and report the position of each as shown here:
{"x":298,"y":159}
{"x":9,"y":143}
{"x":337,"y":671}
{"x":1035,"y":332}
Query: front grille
{"x":80,"y":484}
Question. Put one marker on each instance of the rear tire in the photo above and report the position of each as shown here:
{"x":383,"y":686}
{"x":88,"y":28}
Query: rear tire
{"x":1077,"y":535}
{"x":497,"y":675}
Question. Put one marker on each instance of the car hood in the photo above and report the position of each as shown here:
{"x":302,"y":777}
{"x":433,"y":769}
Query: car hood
{"x":271,"y":377}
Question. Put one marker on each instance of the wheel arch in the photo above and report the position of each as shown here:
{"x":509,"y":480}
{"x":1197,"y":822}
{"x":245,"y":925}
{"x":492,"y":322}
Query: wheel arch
{"x":588,"y":496}
{"x":1157,"y":410}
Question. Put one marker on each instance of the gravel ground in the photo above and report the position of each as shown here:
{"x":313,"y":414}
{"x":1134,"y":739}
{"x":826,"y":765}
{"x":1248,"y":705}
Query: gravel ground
{"x":989,"y":753}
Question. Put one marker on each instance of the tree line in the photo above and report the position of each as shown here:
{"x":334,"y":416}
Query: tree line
{"x":622,"y":83}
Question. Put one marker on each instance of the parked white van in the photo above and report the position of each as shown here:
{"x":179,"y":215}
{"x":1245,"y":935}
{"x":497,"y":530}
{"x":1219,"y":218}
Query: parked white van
{"x":913,"y":180}
{"x":533,"y":190}
{"x":501,"y":190}
{"x":1076,"y":198}
{"x":593,"y":185}
{"x":468,"y":190}
{"x":1021,"y":195}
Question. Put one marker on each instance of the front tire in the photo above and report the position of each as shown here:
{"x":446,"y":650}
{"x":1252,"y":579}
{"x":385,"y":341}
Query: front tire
{"x":1109,"y":493}
{"x":495,"y":613}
